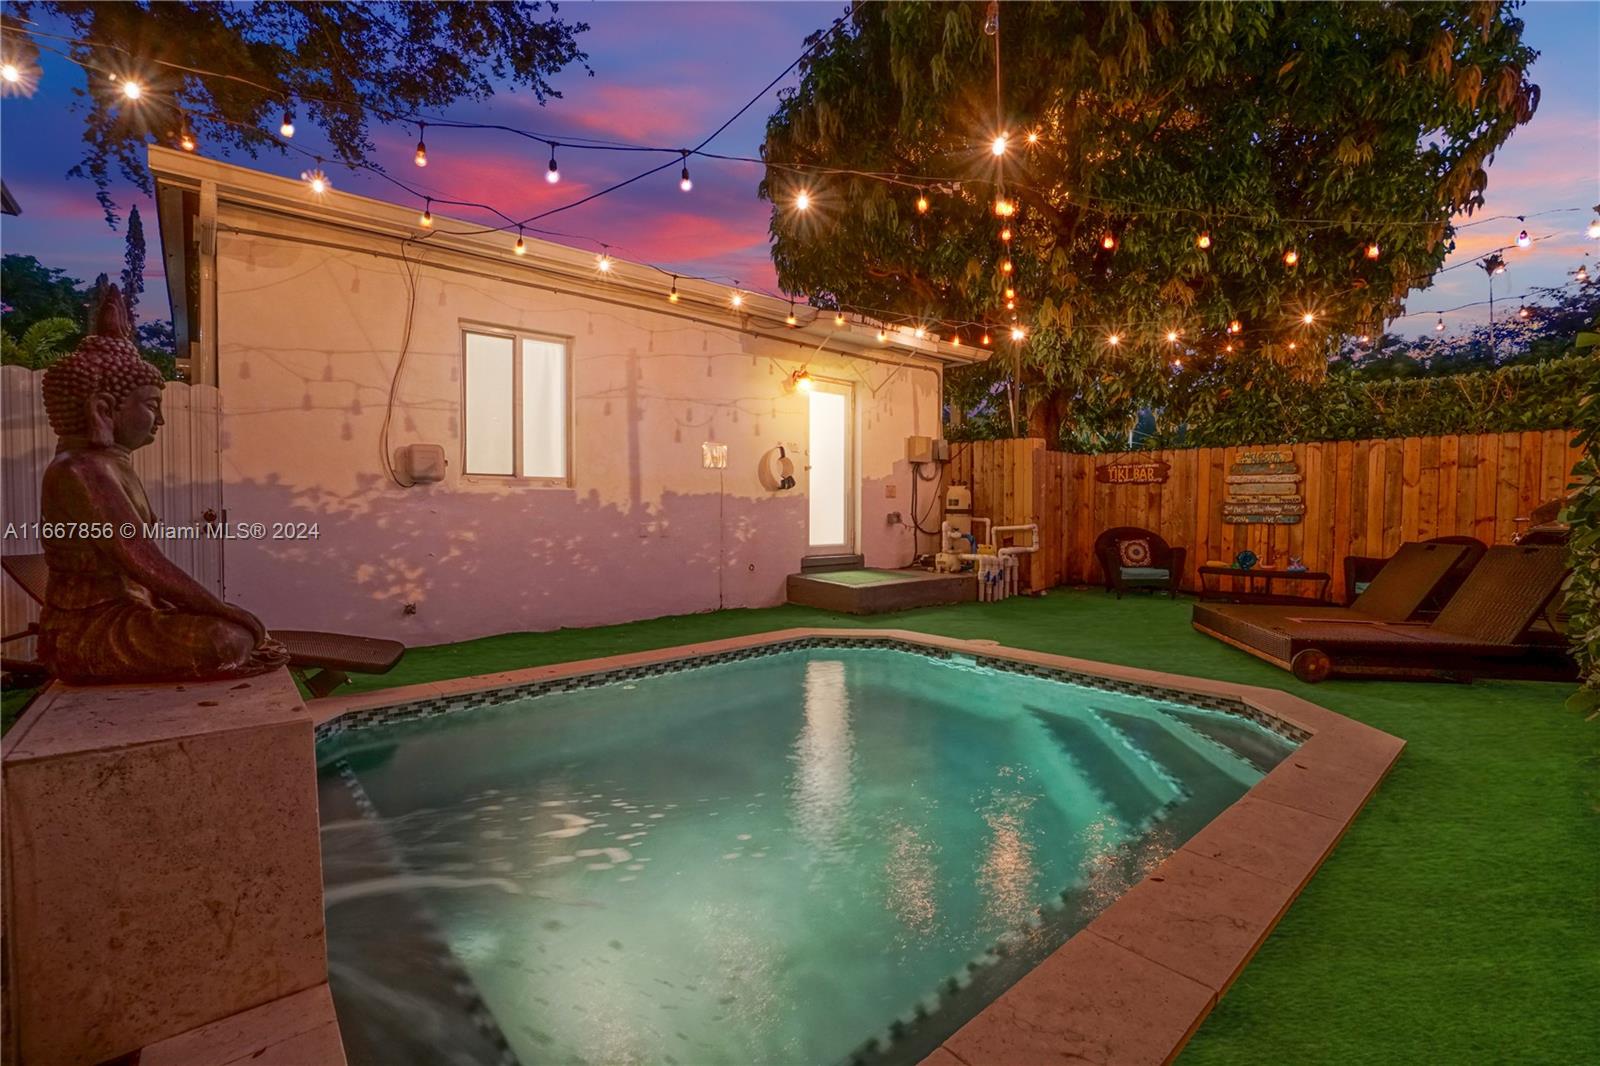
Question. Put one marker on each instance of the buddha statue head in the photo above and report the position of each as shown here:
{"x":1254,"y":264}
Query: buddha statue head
{"x":105,"y":393}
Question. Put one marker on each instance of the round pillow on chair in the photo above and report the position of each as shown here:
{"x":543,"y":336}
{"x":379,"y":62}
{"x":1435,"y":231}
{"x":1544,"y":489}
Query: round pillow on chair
{"x":1134,"y":553}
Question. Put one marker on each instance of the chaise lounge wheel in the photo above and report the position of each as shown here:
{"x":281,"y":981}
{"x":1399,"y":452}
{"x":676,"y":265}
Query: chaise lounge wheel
{"x":1311,"y":666}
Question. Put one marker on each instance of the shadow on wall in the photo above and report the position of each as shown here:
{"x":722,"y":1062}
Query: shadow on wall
{"x":479,"y":564}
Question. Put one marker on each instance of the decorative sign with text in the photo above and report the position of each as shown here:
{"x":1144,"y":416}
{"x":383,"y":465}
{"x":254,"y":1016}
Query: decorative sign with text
{"x":1264,"y":489}
{"x":1152,"y":473}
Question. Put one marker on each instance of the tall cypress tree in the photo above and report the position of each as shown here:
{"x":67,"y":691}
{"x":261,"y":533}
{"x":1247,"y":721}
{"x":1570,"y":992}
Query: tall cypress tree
{"x":133,"y":263}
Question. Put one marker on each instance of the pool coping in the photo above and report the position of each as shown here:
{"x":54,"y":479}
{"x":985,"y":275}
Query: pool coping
{"x":1135,"y":983}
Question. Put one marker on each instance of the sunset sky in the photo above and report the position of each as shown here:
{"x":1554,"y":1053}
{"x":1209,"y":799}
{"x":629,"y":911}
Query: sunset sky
{"x":670,"y":73}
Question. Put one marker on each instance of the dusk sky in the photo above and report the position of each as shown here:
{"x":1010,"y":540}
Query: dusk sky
{"x":670,"y":73}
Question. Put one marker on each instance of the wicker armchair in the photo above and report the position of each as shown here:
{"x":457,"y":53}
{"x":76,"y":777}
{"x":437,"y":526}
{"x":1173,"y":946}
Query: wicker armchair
{"x":1359,"y":570}
{"x":1163,"y":570}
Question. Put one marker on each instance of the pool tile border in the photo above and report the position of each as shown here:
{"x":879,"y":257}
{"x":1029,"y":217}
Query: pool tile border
{"x":1134,"y":985}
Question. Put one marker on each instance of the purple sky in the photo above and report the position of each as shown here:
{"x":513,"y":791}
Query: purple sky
{"x":670,"y":73}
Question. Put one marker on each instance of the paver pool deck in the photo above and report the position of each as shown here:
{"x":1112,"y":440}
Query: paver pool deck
{"x":1137,"y":981}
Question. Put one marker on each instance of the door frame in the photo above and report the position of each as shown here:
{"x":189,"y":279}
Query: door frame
{"x":852,"y":487}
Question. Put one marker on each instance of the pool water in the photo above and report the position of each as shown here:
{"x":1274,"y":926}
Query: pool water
{"x":811,"y":856}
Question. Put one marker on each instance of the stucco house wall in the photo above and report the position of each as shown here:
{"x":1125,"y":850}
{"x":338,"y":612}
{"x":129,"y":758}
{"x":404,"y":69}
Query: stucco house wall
{"x":312,"y":313}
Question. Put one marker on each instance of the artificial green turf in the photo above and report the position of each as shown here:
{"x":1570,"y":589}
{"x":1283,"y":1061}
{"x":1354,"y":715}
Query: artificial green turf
{"x":1455,"y":923}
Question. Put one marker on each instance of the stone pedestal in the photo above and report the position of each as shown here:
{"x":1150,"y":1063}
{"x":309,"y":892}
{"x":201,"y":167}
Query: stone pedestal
{"x":162,"y":863}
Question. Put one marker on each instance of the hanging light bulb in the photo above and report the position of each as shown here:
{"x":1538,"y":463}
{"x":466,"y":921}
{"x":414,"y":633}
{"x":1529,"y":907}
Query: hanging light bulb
{"x":132,"y":90}
{"x":838,"y":318}
{"x":553,"y":173}
{"x":986,"y":340}
{"x":920,"y":332}
{"x":186,"y":139}
{"x":1363,"y":339}
{"x":1011,"y":305}
{"x":1593,"y":232}
{"x":1203,"y":241}
{"x":1227,"y":347}
{"x":1005,"y":266}
{"x":1291,"y":257}
{"x":737,"y":299}
{"x":1033,"y":136}
{"x":991,"y":19}
{"x":1114,"y":339}
{"x":672,"y":297}
{"x":1005,"y":234}
{"x":521,"y":247}
{"x":1004,"y":208}
{"x":882,"y":337}
{"x":1309,"y":317}
{"x":802,"y":201}
{"x":10,"y":73}
{"x":1373,"y":251}
{"x":1017,"y":334}
{"x":790,"y":320}
{"x":1524,"y":313}
{"x":998,"y":145}
{"x":1235,"y":326}
{"x":426,"y":221}
{"x":421,"y":156}
{"x":286,"y":128}
{"x":683,"y":179}
{"x":1582,"y":273}
{"x":602,"y":263}
{"x":1172,"y":336}
{"x":1523,"y":240}
{"x":317,"y":179}
{"x":1438,"y":327}
{"x":1010,"y":293}
{"x":922,"y":202}
{"x":1293,"y":345}
{"x":1108,"y":242}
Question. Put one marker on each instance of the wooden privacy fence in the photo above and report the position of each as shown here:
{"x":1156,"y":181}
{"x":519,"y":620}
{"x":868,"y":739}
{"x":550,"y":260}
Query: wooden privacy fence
{"x":181,"y":472}
{"x":1362,"y":497}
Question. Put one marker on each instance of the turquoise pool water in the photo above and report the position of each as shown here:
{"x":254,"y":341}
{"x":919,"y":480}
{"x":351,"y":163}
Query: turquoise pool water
{"x":812,"y":856}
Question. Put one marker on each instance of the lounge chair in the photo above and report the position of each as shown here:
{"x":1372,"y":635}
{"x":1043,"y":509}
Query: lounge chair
{"x":1410,"y":578}
{"x":1485,"y":630}
{"x":322,"y":661}
{"x":1151,"y":562}
{"x":1360,"y":570}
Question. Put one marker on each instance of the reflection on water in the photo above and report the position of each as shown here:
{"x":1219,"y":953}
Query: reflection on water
{"x":821,"y":785}
{"x":777,"y":860}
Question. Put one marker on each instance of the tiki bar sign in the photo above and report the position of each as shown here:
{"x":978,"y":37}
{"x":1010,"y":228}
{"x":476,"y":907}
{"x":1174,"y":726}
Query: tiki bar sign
{"x":1151,"y":473}
{"x":1264,"y":489}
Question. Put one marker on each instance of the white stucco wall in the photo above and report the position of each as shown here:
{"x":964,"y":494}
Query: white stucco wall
{"x":310,"y":322}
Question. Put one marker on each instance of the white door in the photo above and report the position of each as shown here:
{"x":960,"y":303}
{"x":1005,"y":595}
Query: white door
{"x":831,"y":487}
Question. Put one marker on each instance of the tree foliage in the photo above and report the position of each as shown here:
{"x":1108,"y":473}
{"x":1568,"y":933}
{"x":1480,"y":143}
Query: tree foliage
{"x":338,"y":65}
{"x":133,"y":263}
{"x":41,"y":344}
{"x":1314,"y":127}
{"x":47,"y":314}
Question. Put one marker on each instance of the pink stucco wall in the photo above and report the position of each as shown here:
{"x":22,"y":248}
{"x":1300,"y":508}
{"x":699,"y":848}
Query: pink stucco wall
{"x":308,"y":339}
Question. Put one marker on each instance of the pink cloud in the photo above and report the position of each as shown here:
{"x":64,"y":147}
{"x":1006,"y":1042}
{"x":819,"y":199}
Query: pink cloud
{"x":646,"y":114}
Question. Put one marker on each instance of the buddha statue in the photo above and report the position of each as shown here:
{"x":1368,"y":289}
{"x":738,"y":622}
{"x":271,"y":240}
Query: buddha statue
{"x":116,"y":609}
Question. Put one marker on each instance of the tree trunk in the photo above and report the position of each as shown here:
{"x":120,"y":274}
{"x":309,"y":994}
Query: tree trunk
{"x":1046,"y":416}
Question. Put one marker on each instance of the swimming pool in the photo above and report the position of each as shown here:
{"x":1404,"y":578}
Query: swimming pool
{"x":815,"y":851}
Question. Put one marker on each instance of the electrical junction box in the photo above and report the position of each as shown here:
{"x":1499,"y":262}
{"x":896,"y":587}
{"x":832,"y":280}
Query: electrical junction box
{"x":422,"y":462}
{"x":919,"y":449}
{"x":958,"y":498}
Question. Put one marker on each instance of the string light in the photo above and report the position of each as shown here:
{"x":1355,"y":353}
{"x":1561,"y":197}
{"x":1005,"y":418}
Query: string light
{"x":1203,"y":241}
{"x":132,"y":89}
{"x":1438,"y":327}
{"x":1363,"y":339}
{"x":922,"y":202}
{"x":421,"y":157}
{"x":986,"y":340}
{"x":186,"y":139}
{"x":1235,"y":326}
{"x":919,"y":332}
{"x":426,"y":221}
{"x":672,"y":297}
{"x":1005,"y":266}
{"x":1582,"y":272}
{"x":1293,"y":345}
{"x":1005,"y":233}
{"x":1227,"y":347}
{"x":1004,"y":208}
{"x":1017,"y":333}
{"x":287,"y":127}
{"x":1593,"y":232}
{"x":602,"y":263}
{"x":1108,"y":242}
{"x":802,"y":201}
{"x":801,"y":380}
{"x":1291,"y":257}
{"x":683,"y":180}
{"x":1033,"y":137}
{"x":882,"y":337}
{"x":1309,"y":317}
{"x":521,"y":247}
{"x":737,"y":299}
{"x":791,"y":320}
{"x":998,"y":147}
{"x":1114,"y":339}
{"x":317,"y":179}
{"x":553,"y":173}
{"x":838,"y":318}
{"x":1373,"y":251}
{"x":1523,"y":240}
{"x":10,"y":73}
{"x":1172,"y":336}
{"x":1524,"y":313}
{"x":1011,"y":293}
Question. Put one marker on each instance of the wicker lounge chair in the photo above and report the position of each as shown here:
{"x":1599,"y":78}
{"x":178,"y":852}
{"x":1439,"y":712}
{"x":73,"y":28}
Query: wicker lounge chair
{"x":1360,"y":570}
{"x":1485,"y":630}
{"x":1163,"y":568}
{"x":1410,"y":578}
{"x":322,"y":661}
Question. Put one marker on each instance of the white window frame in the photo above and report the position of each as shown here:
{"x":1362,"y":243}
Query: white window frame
{"x":517,"y":336}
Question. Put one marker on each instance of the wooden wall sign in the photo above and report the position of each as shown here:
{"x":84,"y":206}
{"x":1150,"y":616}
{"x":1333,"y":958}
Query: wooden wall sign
{"x":1152,"y":473}
{"x":1263,"y":489}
